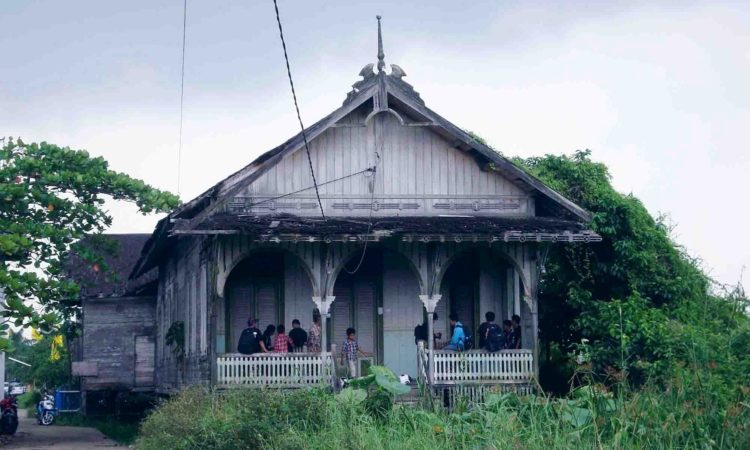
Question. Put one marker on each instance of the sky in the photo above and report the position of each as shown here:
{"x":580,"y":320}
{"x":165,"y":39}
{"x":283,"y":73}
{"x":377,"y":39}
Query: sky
{"x":657,"y":90}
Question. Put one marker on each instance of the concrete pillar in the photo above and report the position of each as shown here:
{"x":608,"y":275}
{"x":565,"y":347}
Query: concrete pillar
{"x":430,"y":304}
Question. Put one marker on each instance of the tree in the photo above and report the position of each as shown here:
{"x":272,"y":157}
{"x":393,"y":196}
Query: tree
{"x":52,"y":197}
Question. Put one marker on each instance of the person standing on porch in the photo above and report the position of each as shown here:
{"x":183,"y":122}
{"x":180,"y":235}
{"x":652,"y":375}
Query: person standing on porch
{"x":459,"y":337}
{"x":282,"y":342}
{"x":313,"y":337}
{"x":251,"y":339}
{"x":350,"y":351}
{"x":298,"y":336}
{"x":516,"y":333}
{"x":268,"y":338}
{"x":508,"y":333}
{"x":482,"y":332}
{"x":420,"y":331}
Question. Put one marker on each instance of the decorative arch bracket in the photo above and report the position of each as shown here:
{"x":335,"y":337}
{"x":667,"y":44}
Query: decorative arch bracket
{"x":430,"y":302}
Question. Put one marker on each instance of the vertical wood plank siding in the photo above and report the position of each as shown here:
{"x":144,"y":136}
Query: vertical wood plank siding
{"x":418,"y":169}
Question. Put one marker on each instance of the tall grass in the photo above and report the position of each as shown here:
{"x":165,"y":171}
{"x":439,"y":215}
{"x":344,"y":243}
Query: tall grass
{"x":682,"y":415}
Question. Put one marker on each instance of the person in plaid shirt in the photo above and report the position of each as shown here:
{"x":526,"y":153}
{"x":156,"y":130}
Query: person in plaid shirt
{"x":282,"y":342}
{"x":313,"y":336}
{"x":350,"y":351}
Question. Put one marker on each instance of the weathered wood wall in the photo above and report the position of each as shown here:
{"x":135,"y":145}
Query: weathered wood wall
{"x":112,"y":327}
{"x":184,"y":292}
{"x":418,"y":173}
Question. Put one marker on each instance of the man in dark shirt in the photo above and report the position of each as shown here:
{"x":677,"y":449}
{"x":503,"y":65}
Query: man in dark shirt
{"x":482,"y":333}
{"x":298,"y":336}
{"x":508,"y":333}
{"x":251,"y":339}
{"x":420,"y":331}
{"x":516,"y":333}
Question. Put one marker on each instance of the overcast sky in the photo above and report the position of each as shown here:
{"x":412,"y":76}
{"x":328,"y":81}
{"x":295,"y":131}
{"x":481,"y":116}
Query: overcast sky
{"x":658,"y":91}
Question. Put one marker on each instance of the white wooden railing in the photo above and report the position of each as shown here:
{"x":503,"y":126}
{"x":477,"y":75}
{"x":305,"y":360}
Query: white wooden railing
{"x":275,"y":370}
{"x":476,"y":366}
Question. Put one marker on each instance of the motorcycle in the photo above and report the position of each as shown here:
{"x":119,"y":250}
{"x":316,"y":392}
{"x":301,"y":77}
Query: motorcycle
{"x":8,"y":415}
{"x":45,"y":410}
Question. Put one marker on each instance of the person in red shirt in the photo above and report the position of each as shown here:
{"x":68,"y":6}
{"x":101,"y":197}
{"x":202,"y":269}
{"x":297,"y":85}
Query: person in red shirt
{"x":282,"y":342}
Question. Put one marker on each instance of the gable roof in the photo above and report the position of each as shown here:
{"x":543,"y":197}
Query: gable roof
{"x":382,"y":90}
{"x":120,"y":261}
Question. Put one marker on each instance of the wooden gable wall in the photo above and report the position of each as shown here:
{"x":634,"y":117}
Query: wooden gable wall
{"x":419,"y":173}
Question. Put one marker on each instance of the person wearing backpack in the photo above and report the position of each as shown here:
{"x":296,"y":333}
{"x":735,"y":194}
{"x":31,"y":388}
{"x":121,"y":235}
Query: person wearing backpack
{"x":493,"y":338}
{"x":459,"y":337}
{"x":482,"y":332}
{"x":251,"y":340}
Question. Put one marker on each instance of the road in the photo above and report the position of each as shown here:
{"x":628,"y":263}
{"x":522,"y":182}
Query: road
{"x":31,"y":436}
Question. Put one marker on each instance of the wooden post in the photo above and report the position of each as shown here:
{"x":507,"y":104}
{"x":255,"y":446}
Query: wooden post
{"x":535,"y":334}
{"x":430,"y":304}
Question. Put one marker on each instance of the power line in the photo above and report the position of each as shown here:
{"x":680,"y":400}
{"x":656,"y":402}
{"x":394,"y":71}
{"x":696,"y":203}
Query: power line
{"x":369,"y":219}
{"x":182,"y":94}
{"x":369,"y":169}
{"x":296,"y":107}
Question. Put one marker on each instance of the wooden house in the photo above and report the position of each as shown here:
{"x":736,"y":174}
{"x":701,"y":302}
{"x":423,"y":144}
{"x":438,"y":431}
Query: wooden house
{"x":115,"y":352}
{"x":407,"y":214}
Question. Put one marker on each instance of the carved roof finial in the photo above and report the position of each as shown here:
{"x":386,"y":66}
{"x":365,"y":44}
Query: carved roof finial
{"x":381,"y":55}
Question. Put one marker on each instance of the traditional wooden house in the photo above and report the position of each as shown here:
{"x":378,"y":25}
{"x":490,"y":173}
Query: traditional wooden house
{"x":116,"y":349}
{"x":407,"y":214}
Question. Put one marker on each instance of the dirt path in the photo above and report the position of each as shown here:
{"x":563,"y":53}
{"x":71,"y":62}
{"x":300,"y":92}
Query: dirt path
{"x":32,"y":436}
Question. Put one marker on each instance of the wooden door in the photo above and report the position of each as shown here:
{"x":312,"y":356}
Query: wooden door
{"x":462,"y":302}
{"x":144,"y":361}
{"x":365,"y":294}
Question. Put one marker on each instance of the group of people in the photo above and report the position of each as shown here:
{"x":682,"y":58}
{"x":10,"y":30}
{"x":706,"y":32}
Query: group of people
{"x":275,"y":339}
{"x":490,"y":336}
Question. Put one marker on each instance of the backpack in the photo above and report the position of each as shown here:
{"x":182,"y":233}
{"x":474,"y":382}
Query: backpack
{"x":495,"y":339}
{"x":249,"y":341}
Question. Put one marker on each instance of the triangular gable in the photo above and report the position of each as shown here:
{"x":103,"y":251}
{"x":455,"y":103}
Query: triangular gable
{"x":379,"y":88}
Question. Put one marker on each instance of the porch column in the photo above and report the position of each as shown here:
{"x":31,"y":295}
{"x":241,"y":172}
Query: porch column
{"x":533,"y":321}
{"x":324,"y":305}
{"x":430,"y":304}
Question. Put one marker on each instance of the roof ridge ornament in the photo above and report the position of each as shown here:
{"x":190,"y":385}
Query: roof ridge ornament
{"x":381,"y":55}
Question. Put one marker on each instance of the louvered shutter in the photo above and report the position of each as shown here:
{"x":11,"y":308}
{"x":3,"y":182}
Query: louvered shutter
{"x":462,"y":304}
{"x":241,"y":310}
{"x":340,"y":316}
{"x":441,"y":326}
{"x":266,"y":305}
{"x":364,"y":293}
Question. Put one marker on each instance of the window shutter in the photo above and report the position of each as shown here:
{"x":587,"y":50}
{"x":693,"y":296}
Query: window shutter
{"x":267,"y":306}
{"x":340,"y":316}
{"x":241,"y":310}
{"x":364,"y":292}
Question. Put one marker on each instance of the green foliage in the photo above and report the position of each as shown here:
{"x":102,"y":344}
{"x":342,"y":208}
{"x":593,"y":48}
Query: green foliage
{"x":679,"y":415}
{"x":52,"y":197}
{"x":175,"y":338}
{"x":637,"y":296}
{"x":375,"y":391}
{"x":234,"y":419}
{"x":43,"y":370}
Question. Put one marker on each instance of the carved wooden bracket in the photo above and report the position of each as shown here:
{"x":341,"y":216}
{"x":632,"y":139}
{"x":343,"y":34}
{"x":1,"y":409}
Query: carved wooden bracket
{"x":430,"y":302}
